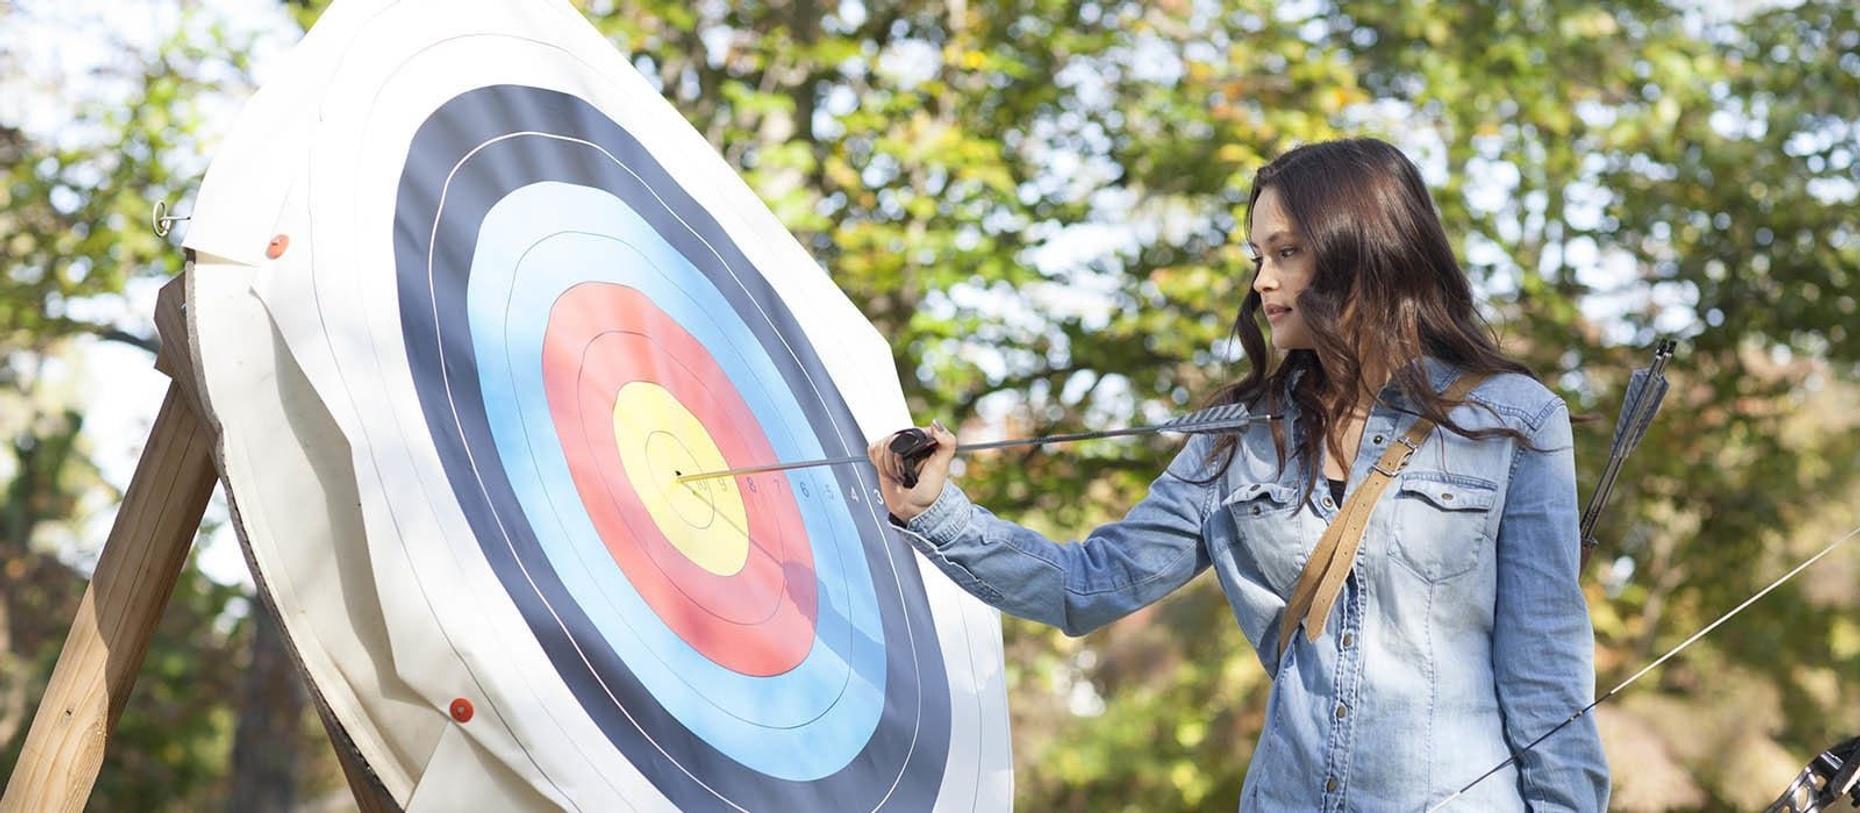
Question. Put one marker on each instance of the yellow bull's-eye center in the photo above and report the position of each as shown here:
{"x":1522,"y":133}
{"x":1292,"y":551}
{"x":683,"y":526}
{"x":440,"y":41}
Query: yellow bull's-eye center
{"x":659,"y":439}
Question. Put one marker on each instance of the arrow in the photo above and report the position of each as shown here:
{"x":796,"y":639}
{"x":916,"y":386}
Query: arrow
{"x":1646,"y":388}
{"x":914,"y":445}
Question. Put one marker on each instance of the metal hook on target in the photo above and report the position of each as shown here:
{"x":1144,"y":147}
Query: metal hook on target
{"x":163,"y":222}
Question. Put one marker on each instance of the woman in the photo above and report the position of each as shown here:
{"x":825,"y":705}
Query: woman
{"x":1451,"y":630}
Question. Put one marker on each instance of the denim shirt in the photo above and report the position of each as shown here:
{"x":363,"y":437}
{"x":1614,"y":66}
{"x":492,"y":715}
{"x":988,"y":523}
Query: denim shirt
{"x":1461,"y":635}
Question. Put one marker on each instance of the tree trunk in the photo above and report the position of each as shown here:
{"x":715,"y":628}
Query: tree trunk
{"x":267,"y":757}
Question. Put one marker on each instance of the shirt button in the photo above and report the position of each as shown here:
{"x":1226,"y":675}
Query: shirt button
{"x":1330,"y":783}
{"x":1327,"y":503}
{"x":1348,"y":639}
{"x":1376,"y":439}
{"x":1341,"y":711}
{"x":1256,"y":510}
{"x":1446,"y":495}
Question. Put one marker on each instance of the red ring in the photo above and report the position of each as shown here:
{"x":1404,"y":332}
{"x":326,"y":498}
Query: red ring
{"x":758,"y":621}
{"x":749,"y":596}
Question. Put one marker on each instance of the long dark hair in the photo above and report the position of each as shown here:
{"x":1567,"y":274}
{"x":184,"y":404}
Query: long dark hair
{"x":1361,"y":207}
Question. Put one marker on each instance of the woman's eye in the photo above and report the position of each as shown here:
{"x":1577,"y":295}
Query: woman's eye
{"x":1287,"y":252}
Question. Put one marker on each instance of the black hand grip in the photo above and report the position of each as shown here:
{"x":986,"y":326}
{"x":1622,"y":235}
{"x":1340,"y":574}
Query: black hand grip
{"x":912,"y":446}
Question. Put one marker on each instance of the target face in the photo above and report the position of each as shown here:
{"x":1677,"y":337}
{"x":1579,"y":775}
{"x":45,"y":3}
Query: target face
{"x":532,"y":296}
{"x":580,"y":333}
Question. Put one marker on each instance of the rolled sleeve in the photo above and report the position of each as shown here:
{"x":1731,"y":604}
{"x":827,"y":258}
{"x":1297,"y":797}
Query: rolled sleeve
{"x":1543,"y":644}
{"x":1116,"y":569}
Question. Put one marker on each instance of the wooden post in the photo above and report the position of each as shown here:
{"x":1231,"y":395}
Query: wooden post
{"x":135,"y":575}
{"x":143,"y":556}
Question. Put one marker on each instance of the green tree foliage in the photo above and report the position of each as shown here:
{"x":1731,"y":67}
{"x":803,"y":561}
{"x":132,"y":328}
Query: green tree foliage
{"x":1611,"y":172}
{"x":1038,"y":203}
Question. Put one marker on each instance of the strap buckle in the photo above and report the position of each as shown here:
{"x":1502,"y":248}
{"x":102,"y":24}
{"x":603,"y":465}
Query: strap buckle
{"x":1403,"y":461}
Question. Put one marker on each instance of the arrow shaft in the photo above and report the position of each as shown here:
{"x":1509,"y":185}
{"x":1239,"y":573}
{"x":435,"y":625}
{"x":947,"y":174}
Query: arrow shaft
{"x":1042,"y":440}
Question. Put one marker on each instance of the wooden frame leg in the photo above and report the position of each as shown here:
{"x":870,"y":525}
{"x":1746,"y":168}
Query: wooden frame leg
{"x":146,"y":549}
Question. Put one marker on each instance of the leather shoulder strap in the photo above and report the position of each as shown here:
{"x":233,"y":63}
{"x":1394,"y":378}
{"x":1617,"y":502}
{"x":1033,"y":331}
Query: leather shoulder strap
{"x":1330,"y":562}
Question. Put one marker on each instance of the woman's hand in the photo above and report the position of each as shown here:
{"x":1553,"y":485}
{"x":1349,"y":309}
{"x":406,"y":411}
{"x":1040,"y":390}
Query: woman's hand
{"x":905,"y":503}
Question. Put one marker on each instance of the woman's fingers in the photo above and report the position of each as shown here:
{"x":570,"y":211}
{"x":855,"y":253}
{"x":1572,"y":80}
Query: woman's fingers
{"x":937,"y":462}
{"x":886,"y":463}
{"x":931,"y":471}
{"x":945,"y":445}
{"x":878,"y":453}
{"x":890,"y":459}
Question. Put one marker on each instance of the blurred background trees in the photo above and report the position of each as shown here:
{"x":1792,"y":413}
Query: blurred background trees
{"x":1038,"y":202}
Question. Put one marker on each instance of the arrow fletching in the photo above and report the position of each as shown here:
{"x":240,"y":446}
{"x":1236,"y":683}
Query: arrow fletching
{"x":1213,"y":419}
{"x":1645,"y":391}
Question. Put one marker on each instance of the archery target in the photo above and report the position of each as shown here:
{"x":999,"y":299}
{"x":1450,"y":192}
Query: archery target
{"x":615,"y":336}
{"x":533,"y":298}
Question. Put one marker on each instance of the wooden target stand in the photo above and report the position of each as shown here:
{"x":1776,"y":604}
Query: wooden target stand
{"x":135,"y":575}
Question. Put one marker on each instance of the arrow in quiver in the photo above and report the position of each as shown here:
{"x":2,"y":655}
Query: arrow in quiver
{"x":1646,"y":389}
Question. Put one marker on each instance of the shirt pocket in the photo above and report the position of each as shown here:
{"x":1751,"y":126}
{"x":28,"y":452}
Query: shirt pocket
{"x":1270,"y":532}
{"x":1440,"y":522}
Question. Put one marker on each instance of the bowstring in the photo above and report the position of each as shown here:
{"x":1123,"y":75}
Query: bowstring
{"x":1651,"y":666}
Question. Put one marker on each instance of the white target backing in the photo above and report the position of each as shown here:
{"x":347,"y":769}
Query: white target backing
{"x":528,"y":295}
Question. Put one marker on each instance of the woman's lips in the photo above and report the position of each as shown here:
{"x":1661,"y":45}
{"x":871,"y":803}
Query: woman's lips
{"x":1273,"y":313}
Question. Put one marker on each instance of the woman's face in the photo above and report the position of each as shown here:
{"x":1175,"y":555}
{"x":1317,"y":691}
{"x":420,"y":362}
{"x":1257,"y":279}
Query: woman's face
{"x":1284,"y":267}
